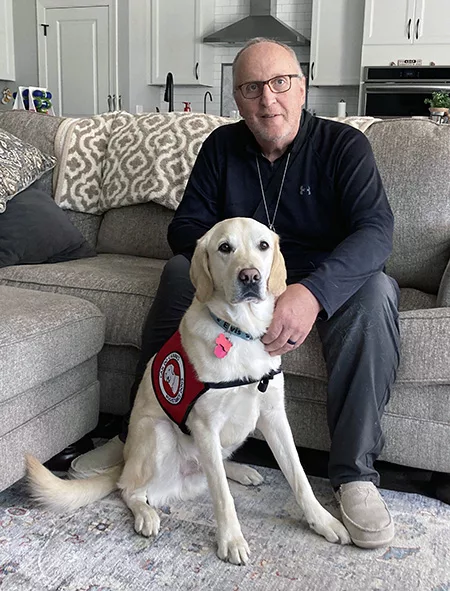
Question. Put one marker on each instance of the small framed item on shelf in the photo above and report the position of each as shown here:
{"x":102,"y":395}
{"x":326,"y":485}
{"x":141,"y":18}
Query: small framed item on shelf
{"x":33,"y":98}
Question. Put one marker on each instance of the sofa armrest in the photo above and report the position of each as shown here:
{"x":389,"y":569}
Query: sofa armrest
{"x":443,"y":297}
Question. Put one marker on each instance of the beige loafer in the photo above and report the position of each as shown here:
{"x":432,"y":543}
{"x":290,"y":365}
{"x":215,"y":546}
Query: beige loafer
{"x":98,"y":460}
{"x":365,"y":514}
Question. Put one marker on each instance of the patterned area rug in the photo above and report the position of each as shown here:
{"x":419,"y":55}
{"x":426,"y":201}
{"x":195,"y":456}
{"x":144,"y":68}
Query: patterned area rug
{"x":96,"y":549}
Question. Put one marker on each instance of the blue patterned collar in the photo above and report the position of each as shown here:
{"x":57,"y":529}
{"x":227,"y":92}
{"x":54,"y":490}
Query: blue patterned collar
{"x":232,"y":329}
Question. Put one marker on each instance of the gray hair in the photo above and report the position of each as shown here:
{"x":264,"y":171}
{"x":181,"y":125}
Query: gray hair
{"x":256,"y":41}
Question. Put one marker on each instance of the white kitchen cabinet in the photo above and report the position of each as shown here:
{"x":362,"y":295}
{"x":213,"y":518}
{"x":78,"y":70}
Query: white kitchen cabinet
{"x":413,"y":22}
{"x":336,"y":42}
{"x":7,"y":67}
{"x":176,"y":31}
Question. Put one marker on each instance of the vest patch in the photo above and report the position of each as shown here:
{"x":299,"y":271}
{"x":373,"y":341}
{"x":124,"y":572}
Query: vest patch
{"x":175,"y":382}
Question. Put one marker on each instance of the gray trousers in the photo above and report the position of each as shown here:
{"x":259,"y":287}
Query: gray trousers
{"x":360,"y":344}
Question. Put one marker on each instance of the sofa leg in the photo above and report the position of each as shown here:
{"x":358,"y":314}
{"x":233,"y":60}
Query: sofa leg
{"x":441,"y":481}
{"x":61,"y":462}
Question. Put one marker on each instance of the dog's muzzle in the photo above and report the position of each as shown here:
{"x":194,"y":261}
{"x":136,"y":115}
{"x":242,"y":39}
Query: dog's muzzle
{"x":249,"y":285}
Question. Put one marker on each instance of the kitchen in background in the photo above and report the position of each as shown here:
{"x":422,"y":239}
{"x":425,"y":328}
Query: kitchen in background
{"x":298,"y":15}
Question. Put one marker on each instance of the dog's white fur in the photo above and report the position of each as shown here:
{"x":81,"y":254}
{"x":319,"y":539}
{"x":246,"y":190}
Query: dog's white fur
{"x":163,"y":464}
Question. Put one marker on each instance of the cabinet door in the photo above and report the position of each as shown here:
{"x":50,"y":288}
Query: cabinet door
{"x":432,"y":22}
{"x":389,"y":22}
{"x":176,"y":29}
{"x":7,"y":68}
{"x":336,"y":42}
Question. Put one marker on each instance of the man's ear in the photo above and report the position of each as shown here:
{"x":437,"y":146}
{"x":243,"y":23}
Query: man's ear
{"x":200,"y":273}
{"x":277,"y":277}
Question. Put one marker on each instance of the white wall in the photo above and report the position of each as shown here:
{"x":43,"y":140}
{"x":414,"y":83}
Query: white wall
{"x":295,"y":13}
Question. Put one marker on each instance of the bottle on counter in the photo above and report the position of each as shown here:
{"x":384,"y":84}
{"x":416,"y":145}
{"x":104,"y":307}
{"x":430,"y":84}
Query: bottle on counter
{"x":187,"y":107}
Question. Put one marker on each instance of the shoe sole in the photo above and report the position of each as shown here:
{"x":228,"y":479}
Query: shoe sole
{"x":367,"y":545}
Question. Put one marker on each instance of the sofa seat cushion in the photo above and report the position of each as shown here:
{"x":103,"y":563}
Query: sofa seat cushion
{"x":425,"y":355}
{"x":43,"y":335}
{"x":122,"y":286}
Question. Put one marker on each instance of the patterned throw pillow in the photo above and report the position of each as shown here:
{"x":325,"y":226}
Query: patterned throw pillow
{"x":150,"y":157}
{"x":20,"y":165}
{"x":116,"y":159}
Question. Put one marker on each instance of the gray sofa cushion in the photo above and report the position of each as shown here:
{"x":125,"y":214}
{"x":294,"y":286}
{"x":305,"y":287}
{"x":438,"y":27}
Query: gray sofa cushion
{"x":34,"y":401}
{"x":146,"y":234}
{"x":87,"y":223}
{"x":43,"y":335}
{"x":410,"y":155}
{"x":37,"y":129}
{"x":424,"y":331}
{"x":121,"y":286}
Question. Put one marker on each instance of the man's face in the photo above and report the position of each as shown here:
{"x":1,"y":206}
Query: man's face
{"x":272,"y":117}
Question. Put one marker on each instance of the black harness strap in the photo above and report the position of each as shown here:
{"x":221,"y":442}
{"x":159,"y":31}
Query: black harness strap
{"x":262,"y":386}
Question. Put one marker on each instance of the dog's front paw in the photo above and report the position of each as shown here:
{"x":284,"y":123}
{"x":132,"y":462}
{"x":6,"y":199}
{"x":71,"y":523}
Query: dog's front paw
{"x":233,"y":549}
{"x":329,"y":527}
{"x":146,"y":521}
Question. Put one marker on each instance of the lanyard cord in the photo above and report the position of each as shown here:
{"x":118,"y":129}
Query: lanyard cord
{"x":271,"y":223}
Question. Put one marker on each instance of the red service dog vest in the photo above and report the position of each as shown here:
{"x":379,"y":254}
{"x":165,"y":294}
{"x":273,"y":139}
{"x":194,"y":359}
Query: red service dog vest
{"x":175,"y":382}
{"x":177,"y":386}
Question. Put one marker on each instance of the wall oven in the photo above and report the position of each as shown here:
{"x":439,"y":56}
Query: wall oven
{"x":398,"y":91}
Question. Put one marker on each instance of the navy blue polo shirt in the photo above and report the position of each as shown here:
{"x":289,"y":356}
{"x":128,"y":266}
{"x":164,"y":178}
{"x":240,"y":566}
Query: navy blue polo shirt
{"x":333,"y":219}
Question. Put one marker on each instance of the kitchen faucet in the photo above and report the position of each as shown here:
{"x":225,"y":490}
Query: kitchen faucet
{"x":168,"y":92}
{"x":207,"y":93}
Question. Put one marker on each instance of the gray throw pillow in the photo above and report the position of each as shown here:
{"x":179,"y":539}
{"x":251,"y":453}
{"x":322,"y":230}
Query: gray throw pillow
{"x":20,"y":165}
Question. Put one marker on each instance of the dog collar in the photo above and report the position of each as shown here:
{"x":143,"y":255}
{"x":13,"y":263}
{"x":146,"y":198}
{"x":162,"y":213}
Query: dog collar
{"x":231,"y":328}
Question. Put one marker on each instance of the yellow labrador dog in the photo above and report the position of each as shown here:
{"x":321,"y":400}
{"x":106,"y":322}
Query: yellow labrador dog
{"x":238,"y":272}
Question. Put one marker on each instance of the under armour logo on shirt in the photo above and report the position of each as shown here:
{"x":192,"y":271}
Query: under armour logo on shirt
{"x":304,"y":189}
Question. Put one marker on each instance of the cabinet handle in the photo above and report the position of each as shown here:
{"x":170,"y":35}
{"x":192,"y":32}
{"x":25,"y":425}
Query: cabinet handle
{"x":120,"y":102}
{"x":109,"y":103}
{"x":417,"y":28}
{"x":409,"y":29}
{"x":196,"y":71}
{"x":312,"y":71}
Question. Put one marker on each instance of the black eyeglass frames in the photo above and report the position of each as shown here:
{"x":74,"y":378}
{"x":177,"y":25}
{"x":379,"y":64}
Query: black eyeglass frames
{"x":277,"y":84}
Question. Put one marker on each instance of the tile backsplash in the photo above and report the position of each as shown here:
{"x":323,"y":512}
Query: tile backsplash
{"x":297,"y":14}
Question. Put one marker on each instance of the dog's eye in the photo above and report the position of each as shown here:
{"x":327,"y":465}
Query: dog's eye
{"x":225,"y":247}
{"x":263,"y":245}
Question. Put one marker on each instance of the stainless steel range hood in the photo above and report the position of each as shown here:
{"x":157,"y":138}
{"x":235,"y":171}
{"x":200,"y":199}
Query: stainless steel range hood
{"x":260,"y":23}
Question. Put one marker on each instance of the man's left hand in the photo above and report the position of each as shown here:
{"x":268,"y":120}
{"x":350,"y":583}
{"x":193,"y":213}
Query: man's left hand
{"x":295,"y":312}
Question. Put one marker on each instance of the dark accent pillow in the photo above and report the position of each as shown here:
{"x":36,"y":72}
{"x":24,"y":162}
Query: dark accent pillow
{"x":33,"y":229}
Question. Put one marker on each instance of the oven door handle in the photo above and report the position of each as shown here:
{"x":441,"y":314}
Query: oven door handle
{"x":402,"y":87}
{"x":409,"y":29}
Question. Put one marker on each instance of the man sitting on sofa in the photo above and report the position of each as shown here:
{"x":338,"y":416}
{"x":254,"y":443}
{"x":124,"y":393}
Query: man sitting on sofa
{"x":316,"y":183}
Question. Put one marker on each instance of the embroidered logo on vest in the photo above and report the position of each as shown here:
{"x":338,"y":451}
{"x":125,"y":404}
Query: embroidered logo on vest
{"x":171,"y":378}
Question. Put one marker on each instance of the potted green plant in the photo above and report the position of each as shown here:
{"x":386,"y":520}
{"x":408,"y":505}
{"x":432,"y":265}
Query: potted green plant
{"x":439,"y":103}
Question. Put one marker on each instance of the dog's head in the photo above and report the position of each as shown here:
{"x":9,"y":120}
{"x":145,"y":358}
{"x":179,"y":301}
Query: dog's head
{"x":240,"y":258}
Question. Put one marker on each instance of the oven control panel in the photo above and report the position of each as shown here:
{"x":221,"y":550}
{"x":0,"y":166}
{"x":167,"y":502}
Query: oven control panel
{"x":433,"y":74}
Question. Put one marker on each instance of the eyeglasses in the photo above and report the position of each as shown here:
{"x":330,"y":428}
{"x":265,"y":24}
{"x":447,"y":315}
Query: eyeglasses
{"x":277,"y":84}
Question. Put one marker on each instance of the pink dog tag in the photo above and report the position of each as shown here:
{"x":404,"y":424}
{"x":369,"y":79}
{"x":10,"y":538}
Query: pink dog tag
{"x":223,"y":346}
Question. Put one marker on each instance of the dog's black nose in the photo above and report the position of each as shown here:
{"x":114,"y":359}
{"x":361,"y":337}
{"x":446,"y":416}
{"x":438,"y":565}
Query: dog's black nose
{"x":249,"y":276}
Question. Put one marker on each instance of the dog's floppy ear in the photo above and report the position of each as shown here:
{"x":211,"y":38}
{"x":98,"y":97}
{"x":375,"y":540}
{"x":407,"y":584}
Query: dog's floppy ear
{"x":277,"y":278}
{"x":200,"y":274}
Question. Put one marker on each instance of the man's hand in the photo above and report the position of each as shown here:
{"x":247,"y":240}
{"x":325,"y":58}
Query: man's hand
{"x":295,"y":312}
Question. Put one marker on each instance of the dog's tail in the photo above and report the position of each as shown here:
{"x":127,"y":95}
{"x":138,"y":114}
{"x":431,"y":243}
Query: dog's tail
{"x":68,"y":495}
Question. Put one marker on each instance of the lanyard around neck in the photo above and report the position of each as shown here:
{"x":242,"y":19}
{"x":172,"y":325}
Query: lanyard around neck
{"x":271,"y":223}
